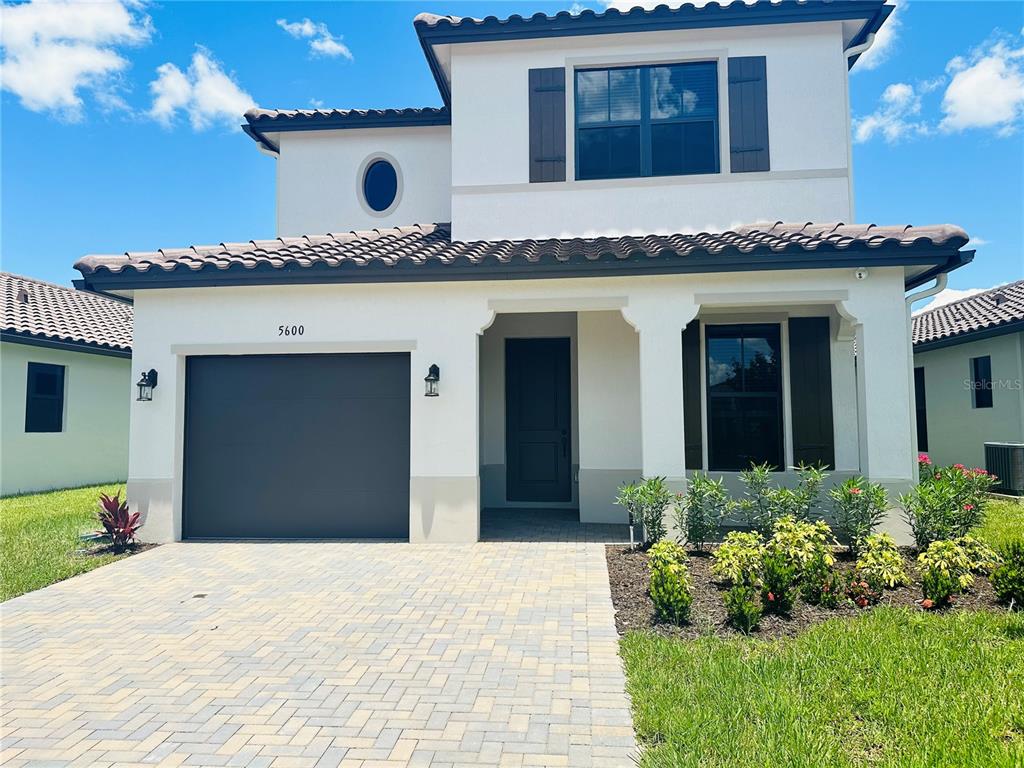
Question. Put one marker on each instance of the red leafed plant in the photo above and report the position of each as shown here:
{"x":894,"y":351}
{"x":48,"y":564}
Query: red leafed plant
{"x":120,"y":524}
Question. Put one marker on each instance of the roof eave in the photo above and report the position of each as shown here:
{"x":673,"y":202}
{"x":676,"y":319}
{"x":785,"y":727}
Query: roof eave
{"x":955,"y":260}
{"x":256,"y":135}
{"x":941,"y":259}
{"x":68,"y":345}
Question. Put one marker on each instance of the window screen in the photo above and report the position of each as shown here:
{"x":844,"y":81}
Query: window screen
{"x":981,"y":381}
{"x":44,"y":401}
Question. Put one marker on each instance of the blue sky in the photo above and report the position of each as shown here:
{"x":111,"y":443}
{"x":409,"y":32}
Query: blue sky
{"x":132,"y":144}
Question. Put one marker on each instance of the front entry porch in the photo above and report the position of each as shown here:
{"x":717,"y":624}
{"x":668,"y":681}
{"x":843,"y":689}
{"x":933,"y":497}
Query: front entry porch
{"x":547,"y":525}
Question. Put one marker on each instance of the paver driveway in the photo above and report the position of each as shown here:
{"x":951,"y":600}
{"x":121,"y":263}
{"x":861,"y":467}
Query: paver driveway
{"x":296,"y":654}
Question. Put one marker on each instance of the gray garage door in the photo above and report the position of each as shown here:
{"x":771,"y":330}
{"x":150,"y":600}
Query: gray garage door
{"x":297,"y":446}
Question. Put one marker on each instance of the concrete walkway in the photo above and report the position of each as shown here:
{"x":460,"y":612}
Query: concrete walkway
{"x":320,"y":654}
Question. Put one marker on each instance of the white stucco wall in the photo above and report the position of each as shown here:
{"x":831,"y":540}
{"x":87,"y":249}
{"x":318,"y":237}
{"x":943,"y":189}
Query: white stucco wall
{"x":93,"y":446}
{"x":319,"y":185}
{"x":957,"y":431}
{"x":442,"y":323}
{"x":808,"y":135}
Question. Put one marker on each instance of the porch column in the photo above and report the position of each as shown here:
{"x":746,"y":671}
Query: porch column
{"x":660,"y":323}
{"x":884,"y":395}
{"x":444,"y":469}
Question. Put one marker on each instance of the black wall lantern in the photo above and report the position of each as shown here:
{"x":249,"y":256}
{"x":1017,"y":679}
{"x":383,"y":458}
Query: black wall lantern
{"x":146,"y":385}
{"x":433,"y":376}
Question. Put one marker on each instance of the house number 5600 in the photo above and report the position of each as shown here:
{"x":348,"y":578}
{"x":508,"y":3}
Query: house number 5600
{"x":290,"y":330}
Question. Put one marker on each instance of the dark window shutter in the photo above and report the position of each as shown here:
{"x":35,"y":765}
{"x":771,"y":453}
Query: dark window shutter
{"x":811,"y":386}
{"x":748,"y":114}
{"x":547,"y":124}
{"x":693,"y":429}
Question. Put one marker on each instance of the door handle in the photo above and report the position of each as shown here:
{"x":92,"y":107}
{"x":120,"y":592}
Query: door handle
{"x":565,"y":444}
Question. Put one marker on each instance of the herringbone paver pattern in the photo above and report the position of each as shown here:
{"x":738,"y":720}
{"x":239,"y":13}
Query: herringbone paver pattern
{"x":320,"y":654}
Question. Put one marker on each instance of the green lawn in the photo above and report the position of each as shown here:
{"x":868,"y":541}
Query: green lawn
{"x":1004,"y":521}
{"x":39,"y":536}
{"x":892,"y":687}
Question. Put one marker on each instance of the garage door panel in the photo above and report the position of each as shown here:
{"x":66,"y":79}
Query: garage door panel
{"x":297,"y":446}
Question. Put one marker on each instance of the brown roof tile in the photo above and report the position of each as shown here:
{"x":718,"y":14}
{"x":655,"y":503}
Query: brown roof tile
{"x":423,"y":244}
{"x":57,"y":313}
{"x":991,"y":309}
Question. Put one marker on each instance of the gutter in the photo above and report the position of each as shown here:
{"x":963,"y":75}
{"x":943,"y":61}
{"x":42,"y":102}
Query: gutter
{"x":265,"y":145}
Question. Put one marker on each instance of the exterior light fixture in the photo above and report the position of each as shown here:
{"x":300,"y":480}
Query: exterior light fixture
{"x":433,"y":376}
{"x":146,"y":385}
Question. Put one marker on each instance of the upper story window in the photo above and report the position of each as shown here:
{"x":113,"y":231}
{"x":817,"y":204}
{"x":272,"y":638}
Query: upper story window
{"x":647,"y":121}
{"x":380,"y":185}
{"x":981,"y":381}
{"x":44,"y":398}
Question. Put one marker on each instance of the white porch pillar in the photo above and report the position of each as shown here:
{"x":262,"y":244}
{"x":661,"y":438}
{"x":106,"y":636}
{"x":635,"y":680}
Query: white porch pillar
{"x":660,"y":323}
{"x":885,"y":395}
{"x":444,"y":467}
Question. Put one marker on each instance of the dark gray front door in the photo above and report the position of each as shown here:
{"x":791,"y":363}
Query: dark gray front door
{"x":538,"y":453}
{"x":297,"y":446}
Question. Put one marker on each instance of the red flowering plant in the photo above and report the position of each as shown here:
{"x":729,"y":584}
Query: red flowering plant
{"x":946,"y":504}
{"x":863,"y":593}
{"x":118,"y":522}
{"x":925,"y":467}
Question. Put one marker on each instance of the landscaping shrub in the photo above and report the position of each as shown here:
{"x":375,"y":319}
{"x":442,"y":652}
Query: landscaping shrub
{"x":799,"y":542}
{"x":118,"y":523}
{"x":863,"y":592}
{"x":763,"y":503}
{"x":743,"y":608}
{"x":701,"y":513}
{"x":947,"y":504}
{"x":858,"y":506}
{"x":778,"y":583}
{"x":925,"y":468}
{"x":738,"y":559}
{"x":880,"y":562}
{"x":1008,"y":577}
{"x":820,"y":585}
{"x":670,"y":581}
{"x":646,"y":503}
{"x":948,"y":567}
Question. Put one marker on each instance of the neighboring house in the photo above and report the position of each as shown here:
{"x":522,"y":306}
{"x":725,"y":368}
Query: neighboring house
{"x":969,"y":375}
{"x":65,"y":374}
{"x":539,"y":290}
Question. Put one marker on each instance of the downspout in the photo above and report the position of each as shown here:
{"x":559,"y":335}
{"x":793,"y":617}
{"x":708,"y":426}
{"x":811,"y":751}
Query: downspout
{"x":940,"y":285}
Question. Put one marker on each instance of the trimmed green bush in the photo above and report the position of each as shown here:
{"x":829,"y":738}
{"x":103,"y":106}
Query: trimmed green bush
{"x":738,"y":559}
{"x":799,"y":542}
{"x":881,"y":563}
{"x":701,"y":512}
{"x":670,"y":581}
{"x":778,"y":583}
{"x":743,"y":608}
{"x":646,"y":503}
{"x":1008,"y":577}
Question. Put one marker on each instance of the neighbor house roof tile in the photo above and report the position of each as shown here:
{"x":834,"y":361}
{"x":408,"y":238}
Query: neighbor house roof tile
{"x":34,"y":309}
{"x":983,"y":312}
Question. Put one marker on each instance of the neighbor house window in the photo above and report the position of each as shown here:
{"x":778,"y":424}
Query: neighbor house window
{"x":981,"y":381}
{"x":921,"y":408}
{"x":744,"y":386}
{"x":44,"y":401}
{"x":647,"y":121}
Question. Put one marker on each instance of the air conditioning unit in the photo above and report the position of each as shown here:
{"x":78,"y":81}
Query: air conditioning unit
{"x":1006,"y":462}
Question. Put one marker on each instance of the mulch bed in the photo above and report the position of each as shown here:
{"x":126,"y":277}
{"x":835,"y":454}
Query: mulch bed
{"x":628,"y":576}
{"x":106,"y":549}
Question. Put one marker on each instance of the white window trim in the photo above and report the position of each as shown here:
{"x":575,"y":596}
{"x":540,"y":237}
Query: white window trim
{"x":360,"y":179}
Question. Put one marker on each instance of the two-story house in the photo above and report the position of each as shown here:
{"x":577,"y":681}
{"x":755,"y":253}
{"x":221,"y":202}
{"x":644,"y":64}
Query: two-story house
{"x":554,"y":283}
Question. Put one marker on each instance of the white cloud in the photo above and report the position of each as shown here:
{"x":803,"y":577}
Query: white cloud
{"x":986,"y":90}
{"x":321,"y":41}
{"x":207,"y":94}
{"x":885,"y":40}
{"x":54,"y":51}
{"x":949,"y":295}
{"x":897,"y":116}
